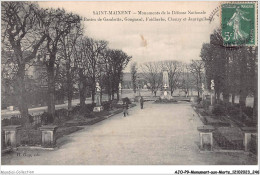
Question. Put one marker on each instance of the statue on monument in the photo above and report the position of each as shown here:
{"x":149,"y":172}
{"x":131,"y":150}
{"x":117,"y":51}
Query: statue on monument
{"x":98,"y":89}
{"x":120,"y":94}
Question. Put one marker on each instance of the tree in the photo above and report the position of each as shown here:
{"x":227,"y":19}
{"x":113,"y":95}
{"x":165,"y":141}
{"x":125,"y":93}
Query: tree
{"x":93,"y":52}
{"x":196,"y":68}
{"x":107,"y":76}
{"x":81,"y":65}
{"x":134,"y":75}
{"x":153,"y":74}
{"x":68,"y":42}
{"x":185,"y":79}
{"x":216,"y":60}
{"x":233,"y":69}
{"x":58,"y":24}
{"x":119,"y":61}
{"x":22,"y":35}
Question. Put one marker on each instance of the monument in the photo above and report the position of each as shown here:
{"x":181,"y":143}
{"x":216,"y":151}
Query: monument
{"x":166,"y":93}
{"x":98,"y":106}
{"x":120,"y":94}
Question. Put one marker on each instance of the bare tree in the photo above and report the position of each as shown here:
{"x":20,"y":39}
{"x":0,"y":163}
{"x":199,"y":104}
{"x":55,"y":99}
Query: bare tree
{"x":119,"y":61}
{"x":68,"y":43}
{"x":134,"y":75}
{"x":196,"y":68}
{"x":58,"y":24}
{"x":23,"y":35}
{"x":93,"y":53}
{"x":81,"y":65}
{"x":108,"y":72}
{"x":153,"y":74}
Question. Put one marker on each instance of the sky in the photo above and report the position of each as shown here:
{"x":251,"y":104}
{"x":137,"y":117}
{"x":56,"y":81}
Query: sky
{"x":148,"y":41}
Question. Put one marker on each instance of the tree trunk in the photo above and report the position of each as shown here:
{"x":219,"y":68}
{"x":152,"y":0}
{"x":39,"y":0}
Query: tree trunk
{"x":21,"y":94}
{"x":69,"y":91}
{"x":233,"y":98}
{"x":51,"y":89}
{"x":225,"y":98}
{"x":255,"y":116}
{"x":243,"y":82}
{"x":113,"y":94}
{"x":198,"y":88}
{"x":82,"y":88}
{"x":69,"y":101}
{"x":242,"y":99}
{"x":93,"y":90}
{"x":217,"y":97}
{"x":93,"y":94}
{"x":117,"y":94}
{"x":101,"y":94}
{"x":82,"y":94}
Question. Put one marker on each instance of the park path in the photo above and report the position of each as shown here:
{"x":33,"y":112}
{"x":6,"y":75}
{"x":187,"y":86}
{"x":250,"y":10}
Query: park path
{"x":160,"y":134}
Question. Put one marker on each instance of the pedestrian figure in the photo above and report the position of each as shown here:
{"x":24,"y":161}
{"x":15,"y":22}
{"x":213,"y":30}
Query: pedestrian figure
{"x":125,"y":108}
{"x":142,"y":102}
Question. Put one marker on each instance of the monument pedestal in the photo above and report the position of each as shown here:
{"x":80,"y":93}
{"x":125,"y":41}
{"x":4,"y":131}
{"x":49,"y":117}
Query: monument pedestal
{"x":12,"y":136}
{"x":120,"y":102}
{"x":166,"y":95}
{"x":210,"y":109}
{"x":49,"y":135}
{"x":248,"y":133}
{"x":98,"y":109}
{"x":206,"y":137}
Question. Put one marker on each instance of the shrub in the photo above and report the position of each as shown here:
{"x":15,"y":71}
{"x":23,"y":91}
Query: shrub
{"x":87,"y":108}
{"x":75,"y":110}
{"x":17,"y":121}
{"x":46,"y":118}
{"x":61,"y":116}
{"x":30,"y":118}
{"x":206,"y":103}
{"x":30,"y":137}
{"x":5,"y":122}
{"x":127,"y":100}
{"x":233,"y":111}
{"x":107,"y":105}
{"x":248,"y":111}
{"x":218,"y":110}
{"x":114,"y":104}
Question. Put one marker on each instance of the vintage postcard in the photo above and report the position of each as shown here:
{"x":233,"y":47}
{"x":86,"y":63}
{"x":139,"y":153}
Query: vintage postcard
{"x":129,"y":83}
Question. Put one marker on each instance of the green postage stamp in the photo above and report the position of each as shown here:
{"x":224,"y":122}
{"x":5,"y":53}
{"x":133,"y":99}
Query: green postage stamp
{"x":238,"y":22}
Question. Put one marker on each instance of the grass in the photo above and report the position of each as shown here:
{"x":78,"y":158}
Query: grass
{"x":66,"y":131}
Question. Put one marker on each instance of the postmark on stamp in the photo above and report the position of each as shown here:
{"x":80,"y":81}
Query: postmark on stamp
{"x":238,"y":23}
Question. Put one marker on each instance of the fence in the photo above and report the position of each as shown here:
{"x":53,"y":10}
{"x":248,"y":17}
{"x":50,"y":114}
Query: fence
{"x":18,"y":120}
{"x":227,"y":139}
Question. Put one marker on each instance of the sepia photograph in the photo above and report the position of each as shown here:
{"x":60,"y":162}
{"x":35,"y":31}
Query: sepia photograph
{"x":129,"y":83}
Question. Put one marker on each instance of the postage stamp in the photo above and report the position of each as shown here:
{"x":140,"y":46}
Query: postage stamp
{"x":238,"y":22}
